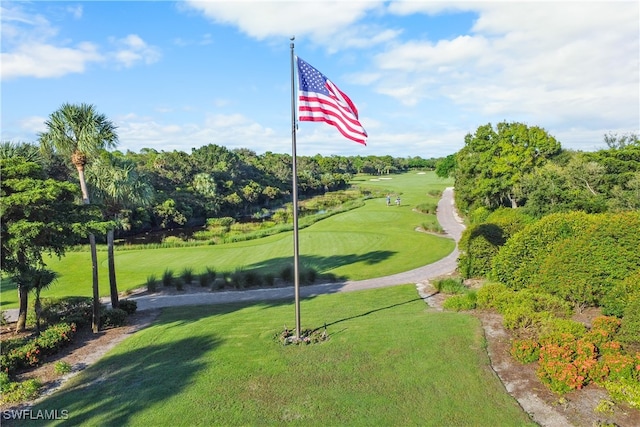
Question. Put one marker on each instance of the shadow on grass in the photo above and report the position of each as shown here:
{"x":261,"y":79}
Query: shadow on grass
{"x":368,"y":313}
{"x":322,"y":263}
{"x":147,"y":376}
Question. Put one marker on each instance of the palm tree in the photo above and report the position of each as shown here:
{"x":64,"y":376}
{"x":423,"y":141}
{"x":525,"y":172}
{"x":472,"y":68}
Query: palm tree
{"x":42,"y":278}
{"x":80,"y":132}
{"x":116,"y":183}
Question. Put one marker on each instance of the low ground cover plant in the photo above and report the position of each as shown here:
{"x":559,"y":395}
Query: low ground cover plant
{"x":568,"y":354}
{"x":31,"y":352}
{"x":569,"y":361}
{"x":462,"y":298}
{"x":21,"y":354}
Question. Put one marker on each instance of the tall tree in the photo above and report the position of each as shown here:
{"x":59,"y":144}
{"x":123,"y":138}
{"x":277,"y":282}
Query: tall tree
{"x":79,"y":132}
{"x":38,"y":216}
{"x":490,"y":167}
{"x":117,"y":185}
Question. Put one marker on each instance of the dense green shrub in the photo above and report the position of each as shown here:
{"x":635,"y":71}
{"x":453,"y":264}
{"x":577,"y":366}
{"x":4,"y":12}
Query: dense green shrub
{"x":490,"y":293}
{"x":113,"y":318}
{"x":427,"y":208}
{"x":11,"y":343}
{"x":525,"y":350}
{"x":630,"y":325}
{"x":519,"y":259}
{"x":478,"y":245}
{"x":152,"y":283}
{"x":450,"y":285}
{"x":187,"y":275}
{"x":128,"y":305}
{"x":77,"y":310}
{"x":481,"y":242}
{"x":584,"y":268}
{"x":479,"y":215}
{"x":520,"y":317}
{"x":460,"y":302}
{"x":18,"y":391}
{"x":579,"y":257}
{"x":55,"y":337}
{"x":624,"y":390}
{"x":532,"y":301}
{"x":167,"y":277}
{"x":555,"y":325}
{"x":32,"y":351}
{"x":615,"y":301}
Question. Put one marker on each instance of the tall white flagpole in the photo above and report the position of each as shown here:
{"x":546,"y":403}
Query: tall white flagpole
{"x":296,"y":256}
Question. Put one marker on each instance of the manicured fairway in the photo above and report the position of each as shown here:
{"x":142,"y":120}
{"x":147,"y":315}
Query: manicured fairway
{"x":370,"y":241}
{"x":389,"y":361}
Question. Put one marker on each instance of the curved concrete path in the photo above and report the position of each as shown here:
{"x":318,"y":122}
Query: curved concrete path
{"x":447,"y":217}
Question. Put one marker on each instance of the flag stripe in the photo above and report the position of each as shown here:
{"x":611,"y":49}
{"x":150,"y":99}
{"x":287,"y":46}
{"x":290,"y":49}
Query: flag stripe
{"x":322,"y":101}
{"x":316,"y":104}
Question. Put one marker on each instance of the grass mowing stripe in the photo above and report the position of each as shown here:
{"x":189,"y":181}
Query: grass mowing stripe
{"x":371,"y":241}
{"x":389,"y":361}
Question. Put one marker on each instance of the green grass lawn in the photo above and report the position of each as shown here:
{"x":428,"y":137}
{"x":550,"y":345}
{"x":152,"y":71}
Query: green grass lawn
{"x":389,"y":361}
{"x":370,"y":241}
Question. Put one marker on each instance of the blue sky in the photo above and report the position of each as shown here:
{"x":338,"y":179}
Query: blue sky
{"x":180,"y":75}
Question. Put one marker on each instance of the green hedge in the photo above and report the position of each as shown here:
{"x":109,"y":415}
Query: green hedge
{"x":481,"y":242}
{"x":586,"y":259}
{"x":583,"y":269}
{"x":519,"y":259}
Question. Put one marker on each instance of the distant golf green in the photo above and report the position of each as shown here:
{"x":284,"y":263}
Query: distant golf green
{"x":389,"y":360}
{"x":371,"y":241}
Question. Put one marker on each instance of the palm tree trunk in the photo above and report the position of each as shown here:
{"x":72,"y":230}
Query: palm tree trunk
{"x":38,"y":309}
{"x":112,"y":270}
{"x":95,"y":318}
{"x":23,"y":295}
{"x":83,"y":184}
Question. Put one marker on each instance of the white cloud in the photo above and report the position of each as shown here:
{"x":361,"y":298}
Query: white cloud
{"x":320,"y":20}
{"x":28,"y":50}
{"x":232,"y":131}
{"x":31,"y":48}
{"x":132,"y":49}
{"x":76,"y":11}
{"x":551,"y":63}
{"x":45,"y":60}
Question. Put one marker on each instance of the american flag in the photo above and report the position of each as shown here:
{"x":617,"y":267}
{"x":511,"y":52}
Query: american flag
{"x":321,"y":101}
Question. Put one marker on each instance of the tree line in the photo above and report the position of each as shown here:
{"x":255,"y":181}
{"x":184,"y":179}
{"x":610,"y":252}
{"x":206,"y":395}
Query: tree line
{"x":515,"y":165}
{"x":71,"y":186}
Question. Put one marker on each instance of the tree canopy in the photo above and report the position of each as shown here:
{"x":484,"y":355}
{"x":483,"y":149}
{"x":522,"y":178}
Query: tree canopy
{"x":491,"y":165}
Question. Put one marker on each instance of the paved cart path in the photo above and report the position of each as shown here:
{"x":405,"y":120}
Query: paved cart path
{"x":447,"y":217}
